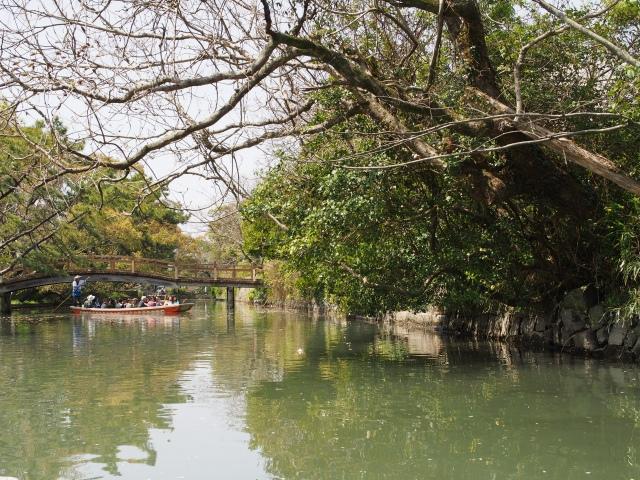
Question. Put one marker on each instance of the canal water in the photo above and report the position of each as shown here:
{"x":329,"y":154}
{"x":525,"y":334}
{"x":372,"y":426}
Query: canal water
{"x":267,"y":394}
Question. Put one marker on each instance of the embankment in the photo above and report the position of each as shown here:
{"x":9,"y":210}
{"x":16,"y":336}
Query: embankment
{"x":577,"y":324}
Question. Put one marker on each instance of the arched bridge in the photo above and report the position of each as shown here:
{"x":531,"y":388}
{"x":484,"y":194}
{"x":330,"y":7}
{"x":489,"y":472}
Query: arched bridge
{"x":134,"y":270}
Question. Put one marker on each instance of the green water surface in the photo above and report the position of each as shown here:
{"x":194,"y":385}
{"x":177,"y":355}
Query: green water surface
{"x":260,"y":394}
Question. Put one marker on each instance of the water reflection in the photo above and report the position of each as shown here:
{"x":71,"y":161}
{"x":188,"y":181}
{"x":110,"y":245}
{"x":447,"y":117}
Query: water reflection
{"x":443,"y":410}
{"x":417,"y":342}
{"x":231,"y":320}
{"x":74,"y":389}
{"x":263,"y":394}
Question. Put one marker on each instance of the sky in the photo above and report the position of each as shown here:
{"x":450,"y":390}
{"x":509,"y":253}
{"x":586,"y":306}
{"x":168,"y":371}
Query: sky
{"x":194,"y":192}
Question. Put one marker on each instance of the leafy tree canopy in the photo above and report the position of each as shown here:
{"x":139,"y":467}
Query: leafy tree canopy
{"x":490,"y":228}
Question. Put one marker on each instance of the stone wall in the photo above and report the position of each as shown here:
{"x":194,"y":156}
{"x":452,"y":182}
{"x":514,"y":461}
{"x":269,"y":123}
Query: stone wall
{"x":578,"y":324}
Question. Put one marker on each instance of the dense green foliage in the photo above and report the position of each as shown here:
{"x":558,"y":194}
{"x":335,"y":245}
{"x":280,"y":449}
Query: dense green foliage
{"x":385,"y":239}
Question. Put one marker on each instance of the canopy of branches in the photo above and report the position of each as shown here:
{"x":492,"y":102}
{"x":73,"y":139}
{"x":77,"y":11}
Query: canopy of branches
{"x":456,"y":151}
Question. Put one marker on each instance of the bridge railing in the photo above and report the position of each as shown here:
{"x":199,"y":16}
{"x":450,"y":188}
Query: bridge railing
{"x":166,"y":269}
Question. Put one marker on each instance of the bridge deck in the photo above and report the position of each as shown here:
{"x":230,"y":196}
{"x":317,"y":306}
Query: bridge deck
{"x":137,"y":270}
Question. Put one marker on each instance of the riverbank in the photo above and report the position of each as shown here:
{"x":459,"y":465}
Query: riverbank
{"x":577,"y":325}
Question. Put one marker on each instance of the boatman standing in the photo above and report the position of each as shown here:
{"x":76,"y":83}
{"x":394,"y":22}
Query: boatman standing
{"x":76,"y":289}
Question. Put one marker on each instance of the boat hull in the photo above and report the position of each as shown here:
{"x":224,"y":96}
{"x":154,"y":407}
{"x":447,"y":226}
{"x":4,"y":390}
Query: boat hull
{"x":164,"y":309}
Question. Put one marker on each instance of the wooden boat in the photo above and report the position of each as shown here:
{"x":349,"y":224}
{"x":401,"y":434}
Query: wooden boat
{"x":164,"y":309}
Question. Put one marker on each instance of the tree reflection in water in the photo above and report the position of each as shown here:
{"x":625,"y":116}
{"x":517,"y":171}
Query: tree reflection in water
{"x":314,"y":398}
{"x":73,"y":391}
{"x":362,"y":405}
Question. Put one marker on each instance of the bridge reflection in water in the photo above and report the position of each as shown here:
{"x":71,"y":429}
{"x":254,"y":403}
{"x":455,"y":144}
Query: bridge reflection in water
{"x":117,"y":268}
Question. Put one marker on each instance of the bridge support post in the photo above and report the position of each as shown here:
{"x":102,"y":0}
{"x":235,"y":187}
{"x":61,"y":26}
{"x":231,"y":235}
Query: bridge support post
{"x":5,"y":303}
{"x":231,"y":298}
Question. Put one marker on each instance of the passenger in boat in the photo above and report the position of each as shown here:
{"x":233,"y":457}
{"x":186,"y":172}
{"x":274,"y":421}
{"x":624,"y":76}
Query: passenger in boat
{"x":105,"y":304}
{"x":174,"y":300}
{"x":88,"y":303}
{"x":152,"y":302}
{"x":142,"y":303}
{"x":118,"y":304}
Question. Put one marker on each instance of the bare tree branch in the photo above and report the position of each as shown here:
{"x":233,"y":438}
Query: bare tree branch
{"x":614,"y":49}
